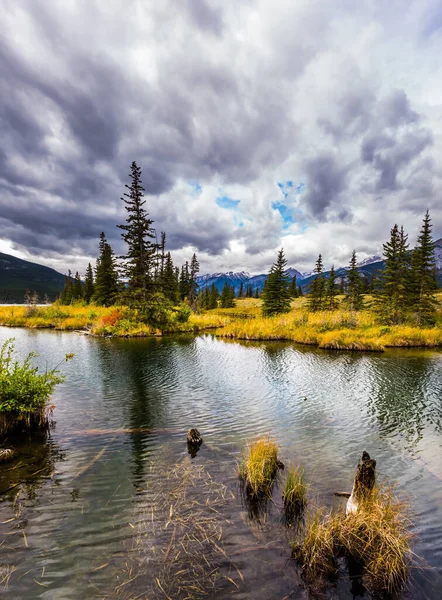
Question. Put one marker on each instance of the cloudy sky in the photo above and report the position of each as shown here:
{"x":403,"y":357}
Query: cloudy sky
{"x":258,"y":124}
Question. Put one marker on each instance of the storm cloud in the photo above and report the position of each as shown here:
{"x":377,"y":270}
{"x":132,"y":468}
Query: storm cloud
{"x":218,"y":98}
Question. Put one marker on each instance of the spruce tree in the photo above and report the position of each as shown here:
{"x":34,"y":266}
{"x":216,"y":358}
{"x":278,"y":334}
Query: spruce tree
{"x":316,"y":299}
{"x":228,"y":296}
{"x":67,"y":293}
{"x":353,"y":296}
{"x":77,"y":292}
{"x":293,"y":289}
{"x":88,"y":284}
{"x":169,"y":283}
{"x":257,"y":295}
{"x":276,"y":294}
{"x":184,"y":281}
{"x":106,"y":275}
{"x":423,"y":282}
{"x":331,"y":291}
{"x":391,"y":300}
{"x":193,"y":284}
{"x":213,"y":297}
{"x":140,"y":261}
{"x":241,"y":290}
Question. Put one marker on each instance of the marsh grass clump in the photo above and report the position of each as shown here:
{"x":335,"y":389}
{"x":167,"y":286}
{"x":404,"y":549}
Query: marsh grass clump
{"x":317,"y":554}
{"x":378,"y":536}
{"x":259,"y":466}
{"x":295,"y":491}
{"x":24,"y":392}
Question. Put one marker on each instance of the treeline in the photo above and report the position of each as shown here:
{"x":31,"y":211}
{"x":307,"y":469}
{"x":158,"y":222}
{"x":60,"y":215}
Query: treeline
{"x":403,"y":291}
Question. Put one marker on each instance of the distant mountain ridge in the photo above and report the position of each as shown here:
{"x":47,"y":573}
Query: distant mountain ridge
{"x":18,"y":275}
{"x":366,"y":266}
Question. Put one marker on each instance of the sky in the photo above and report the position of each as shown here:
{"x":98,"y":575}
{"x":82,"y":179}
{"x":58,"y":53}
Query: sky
{"x":314,"y":126}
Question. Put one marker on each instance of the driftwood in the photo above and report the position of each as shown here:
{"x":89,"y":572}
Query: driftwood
{"x":194,"y":441}
{"x":365,"y":479}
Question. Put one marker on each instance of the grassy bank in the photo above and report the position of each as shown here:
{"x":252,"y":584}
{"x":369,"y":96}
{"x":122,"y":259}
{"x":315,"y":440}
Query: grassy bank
{"x":339,"y":330}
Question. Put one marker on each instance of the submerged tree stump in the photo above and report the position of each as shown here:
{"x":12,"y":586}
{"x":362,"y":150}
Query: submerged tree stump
{"x":365,"y":479}
{"x":194,"y":441}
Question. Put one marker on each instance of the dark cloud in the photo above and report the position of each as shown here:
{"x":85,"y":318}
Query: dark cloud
{"x":326,"y":180}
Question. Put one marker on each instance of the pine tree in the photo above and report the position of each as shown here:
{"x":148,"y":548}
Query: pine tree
{"x":214,"y":297}
{"x":140,"y":261}
{"x":67,"y":293}
{"x":331,"y":291}
{"x":276,"y":295}
{"x":300,"y":292}
{"x":423,"y":282}
{"x":228,"y":296}
{"x":169,"y":283}
{"x":391,"y":300}
{"x":193,"y":284}
{"x":88,"y":284}
{"x":293,"y":289}
{"x":106,"y":275}
{"x":353,"y":296}
{"x":241,"y":290}
{"x":77,"y":292}
{"x":257,"y":294}
{"x":317,"y":290}
{"x":184,"y":282}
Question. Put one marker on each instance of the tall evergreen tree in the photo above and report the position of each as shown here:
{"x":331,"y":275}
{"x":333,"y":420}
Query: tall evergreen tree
{"x":228,"y":296}
{"x":169,"y":283}
{"x":184,"y":281}
{"x":331,"y":291}
{"x":423,"y":282}
{"x":106,"y":275}
{"x":392,"y":298}
{"x":213,"y":297}
{"x":88,"y":284}
{"x":67,"y":293}
{"x":316,"y":299}
{"x":241,"y":290}
{"x":77,"y":292}
{"x":353,"y":296}
{"x":140,"y":261}
{"x":293,"y":289}
{"x":193,"y":284}
{"x":257,"y":294}
{"x":276,"y":294}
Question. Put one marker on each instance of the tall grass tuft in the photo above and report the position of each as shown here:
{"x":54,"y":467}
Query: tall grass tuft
{"x":295,"y":490}
{"x":379,"y":536}
{"x":259,"y":466}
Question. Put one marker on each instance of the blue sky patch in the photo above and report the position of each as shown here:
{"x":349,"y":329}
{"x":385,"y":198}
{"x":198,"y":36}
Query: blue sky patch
{"x":226,"y":202}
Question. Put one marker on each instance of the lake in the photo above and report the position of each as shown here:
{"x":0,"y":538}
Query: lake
{"x":94,"y":508}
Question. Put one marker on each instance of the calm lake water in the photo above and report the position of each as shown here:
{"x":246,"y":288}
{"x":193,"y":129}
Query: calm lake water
{"x":86,"y":511}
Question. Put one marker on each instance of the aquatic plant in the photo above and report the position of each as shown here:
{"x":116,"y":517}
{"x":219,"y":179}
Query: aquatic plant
{"x":295,"y":490}
{"x":259,"y":465}
{"x":379,"y":536}
{"x":24,"y":392}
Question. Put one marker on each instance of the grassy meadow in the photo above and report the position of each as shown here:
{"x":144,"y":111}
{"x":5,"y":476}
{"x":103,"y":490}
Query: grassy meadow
{"x":339,"y":329}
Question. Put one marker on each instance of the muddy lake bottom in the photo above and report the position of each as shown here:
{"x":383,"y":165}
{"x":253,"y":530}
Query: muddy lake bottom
{"x":109,"y":504}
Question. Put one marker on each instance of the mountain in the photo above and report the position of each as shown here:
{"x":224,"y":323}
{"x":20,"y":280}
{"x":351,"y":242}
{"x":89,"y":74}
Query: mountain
{"x":17,"y":276}
{"x":235,"y":280}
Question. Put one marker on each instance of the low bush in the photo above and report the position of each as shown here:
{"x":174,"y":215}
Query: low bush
{"x":24,"y":392}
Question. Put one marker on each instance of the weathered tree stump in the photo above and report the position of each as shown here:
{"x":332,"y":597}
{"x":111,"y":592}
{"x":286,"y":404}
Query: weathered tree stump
{"x":6,"y":454}
{"x":365,"y":479}
{"x":194,"y":441}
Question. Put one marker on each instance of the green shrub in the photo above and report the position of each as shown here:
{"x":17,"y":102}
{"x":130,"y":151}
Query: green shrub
{"x":183,"y":313}
{"x":23,"y":390}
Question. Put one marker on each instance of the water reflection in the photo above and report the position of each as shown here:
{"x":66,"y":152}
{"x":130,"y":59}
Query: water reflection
{"x":34,"y":463}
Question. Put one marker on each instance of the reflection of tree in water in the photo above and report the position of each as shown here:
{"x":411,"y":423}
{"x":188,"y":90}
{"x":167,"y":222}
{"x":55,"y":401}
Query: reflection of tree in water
{"x":35,"y":461}
{"x":138,"y":372}
{"x":400,"y":400}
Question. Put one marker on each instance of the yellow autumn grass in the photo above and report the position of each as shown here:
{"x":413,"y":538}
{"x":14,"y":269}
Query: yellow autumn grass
{"x":295,"y":489}
{"x":379,"y":536}
{"x":259,"y":465}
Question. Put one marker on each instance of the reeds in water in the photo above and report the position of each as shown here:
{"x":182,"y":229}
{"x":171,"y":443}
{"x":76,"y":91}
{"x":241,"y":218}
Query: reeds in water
{"x":259,"y":466}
